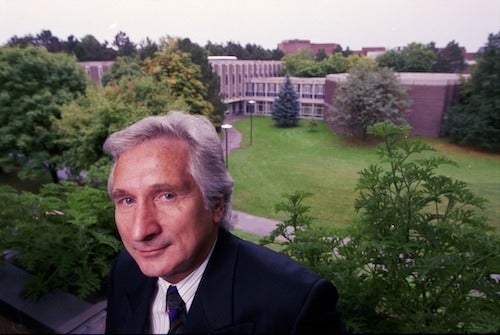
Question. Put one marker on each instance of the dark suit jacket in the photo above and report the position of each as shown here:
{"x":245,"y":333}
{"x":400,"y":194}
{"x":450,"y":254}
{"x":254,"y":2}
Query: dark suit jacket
{"x":246,"y":288}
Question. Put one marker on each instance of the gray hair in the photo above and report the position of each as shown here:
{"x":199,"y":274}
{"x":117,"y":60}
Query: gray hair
{"x":206,"y":163}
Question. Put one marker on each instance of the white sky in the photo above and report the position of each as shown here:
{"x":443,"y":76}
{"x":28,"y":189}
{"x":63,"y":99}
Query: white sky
{"x":352,"y":23}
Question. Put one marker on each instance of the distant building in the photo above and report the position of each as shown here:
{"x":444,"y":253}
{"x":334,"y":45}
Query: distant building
{"x":265,"y":90}
{"x":96,"y":69}
{"x":242,"y":81}
{"x":234,"y":74}
{"x":372,"y":52}
{"x":292,"y":46}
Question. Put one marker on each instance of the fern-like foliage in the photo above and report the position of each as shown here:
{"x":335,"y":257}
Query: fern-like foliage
{"x":65,"y":235}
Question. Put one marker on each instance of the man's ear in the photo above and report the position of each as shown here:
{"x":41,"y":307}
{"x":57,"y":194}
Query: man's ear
{"x":218,"y":212}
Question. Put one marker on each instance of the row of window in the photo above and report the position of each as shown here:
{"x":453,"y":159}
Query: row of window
{"x":305,"y":91}
{"x":307,"y":110}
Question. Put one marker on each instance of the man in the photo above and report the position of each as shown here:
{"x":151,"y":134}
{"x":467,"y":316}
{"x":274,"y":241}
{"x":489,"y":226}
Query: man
{"x":172,"y":196}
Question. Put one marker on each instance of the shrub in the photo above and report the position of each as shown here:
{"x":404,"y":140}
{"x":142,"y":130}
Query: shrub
{"x":65,"y":236}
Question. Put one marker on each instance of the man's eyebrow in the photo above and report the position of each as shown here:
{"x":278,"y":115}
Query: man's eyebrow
{"x":118,"y":193}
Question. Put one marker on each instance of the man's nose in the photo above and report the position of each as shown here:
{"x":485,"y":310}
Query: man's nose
{"x":146,"y":225}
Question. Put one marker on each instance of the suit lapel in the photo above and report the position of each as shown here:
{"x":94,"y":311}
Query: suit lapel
{"x":212,"y":305}
{"x":136,"y":305}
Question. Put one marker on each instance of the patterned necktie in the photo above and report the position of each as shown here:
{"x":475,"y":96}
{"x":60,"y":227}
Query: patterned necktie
{"x":176,"y":310}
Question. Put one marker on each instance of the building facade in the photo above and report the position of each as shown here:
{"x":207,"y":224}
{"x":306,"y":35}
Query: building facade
{"x":293,"y":46}
{"x":96,"y":69}
{"x":250,"y":86}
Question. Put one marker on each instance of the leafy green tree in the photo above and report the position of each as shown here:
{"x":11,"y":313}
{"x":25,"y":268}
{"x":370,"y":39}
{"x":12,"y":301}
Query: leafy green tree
{"x":417,"y":58}
{"x":87,"y":122}
{"x":125,"y":47}
{"x":476,"y":119}
{"x":292,"y":63}
{"x":65,"y":236}
{"x":183,"y":77}
{"x":147,"y":48}
{"x":450,"y":59}
{"x":211,"y":80}
{"x":90,"y":49}
{"x":336,"y":63}
{"x":286,"y":107}
{"x":391,"y":59}
{"x":34,"y":84}
{"x":123,"y":67}
{"x":320,"y":55}
{"x":369,"y":95}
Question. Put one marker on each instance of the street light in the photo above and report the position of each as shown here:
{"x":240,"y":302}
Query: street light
{"x":252,"y":108}
{"x":226,"y":126}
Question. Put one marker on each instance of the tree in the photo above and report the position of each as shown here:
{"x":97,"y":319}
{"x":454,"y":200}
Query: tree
{"x":34,"y":84}
{"x":123,"y":67}
{"x":422,"y":243}
{"x":124,"y":46}
{"x":211,"y":80}
{"x":320,"y":55}
{"x":293,"y":62}
{"x":183,"y":77}
{"x":369,"y":95}
{"x":286,"y":107}
{"x":87,"y":121}
{"x":415,"y":57}
{"x":391,"y":59}
{"x":90,"y":49}
{"x":147,"y":48}
{"x":475,"y":120}
{"x":450,"y":59}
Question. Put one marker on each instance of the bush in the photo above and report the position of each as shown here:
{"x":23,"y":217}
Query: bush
{"x":65,"y":236}
{"x":420,"y":257}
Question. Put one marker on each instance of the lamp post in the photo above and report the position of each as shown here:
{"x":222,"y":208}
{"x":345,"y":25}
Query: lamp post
{"x":226,"y":126}
{"x":252,"y":108}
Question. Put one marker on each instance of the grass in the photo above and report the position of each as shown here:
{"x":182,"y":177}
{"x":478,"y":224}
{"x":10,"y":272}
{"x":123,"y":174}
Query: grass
{"x":282,"y":160}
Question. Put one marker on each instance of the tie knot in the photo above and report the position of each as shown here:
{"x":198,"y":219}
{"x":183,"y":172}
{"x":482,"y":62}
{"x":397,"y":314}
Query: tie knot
{"x":176,"y":309}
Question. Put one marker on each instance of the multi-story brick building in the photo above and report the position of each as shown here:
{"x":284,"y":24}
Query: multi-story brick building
{"x":292,"y":46}
{"x":252,"y":86}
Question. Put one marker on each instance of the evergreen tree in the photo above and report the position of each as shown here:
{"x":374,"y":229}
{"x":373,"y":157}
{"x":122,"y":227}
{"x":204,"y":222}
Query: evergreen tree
{"x":476,"y":120}
{"x":286,"y":107}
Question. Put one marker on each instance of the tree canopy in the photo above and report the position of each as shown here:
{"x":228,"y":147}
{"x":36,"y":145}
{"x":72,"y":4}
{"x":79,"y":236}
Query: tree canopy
{"x":34,"y":84}
{"x":475,"y":120}
{"x":369,"y":95}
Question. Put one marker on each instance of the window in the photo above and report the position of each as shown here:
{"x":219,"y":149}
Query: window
{"x":306,"y":110}
{"x":260,"y":89}
{"x":271,"y":90}
{"x":318,"y":91}
{"x":307,"y":90}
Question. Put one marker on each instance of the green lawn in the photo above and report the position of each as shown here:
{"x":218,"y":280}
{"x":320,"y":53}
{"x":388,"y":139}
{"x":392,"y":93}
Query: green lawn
{"x":284,"y":160}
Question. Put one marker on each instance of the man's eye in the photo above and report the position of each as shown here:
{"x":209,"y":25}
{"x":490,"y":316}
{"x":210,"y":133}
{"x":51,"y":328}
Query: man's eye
{"x":168,"y":196}
{"x":127,"y":201}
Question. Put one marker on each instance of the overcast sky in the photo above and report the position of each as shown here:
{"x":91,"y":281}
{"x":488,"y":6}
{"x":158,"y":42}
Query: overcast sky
{"x":352,"y":23}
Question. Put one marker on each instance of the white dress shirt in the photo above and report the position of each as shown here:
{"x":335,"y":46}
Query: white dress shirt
{"x":159,"y":322}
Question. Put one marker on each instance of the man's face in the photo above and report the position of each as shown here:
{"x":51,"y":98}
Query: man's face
{"x":159,"y":209}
